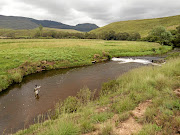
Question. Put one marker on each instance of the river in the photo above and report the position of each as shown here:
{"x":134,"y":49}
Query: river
{"x":19,"y":107}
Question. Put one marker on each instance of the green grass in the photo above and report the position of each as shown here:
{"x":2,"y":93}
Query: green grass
{"x":141,"y":26}
{"x":25,"y":56}
{"x":150,"y":129}
{"x":137,"y":86}
{"x":64,"y":128}
{"x":101,"y":117}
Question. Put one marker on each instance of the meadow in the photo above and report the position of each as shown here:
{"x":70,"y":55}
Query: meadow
{"x":21,"y":57}
{"x":105,"y":115}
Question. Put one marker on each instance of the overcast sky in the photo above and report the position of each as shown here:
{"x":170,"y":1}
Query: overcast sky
{"x":100,"y":12}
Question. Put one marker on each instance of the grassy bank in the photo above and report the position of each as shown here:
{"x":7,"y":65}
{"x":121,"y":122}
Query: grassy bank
{"x":80,"y":114}
{"x":22,"y":57}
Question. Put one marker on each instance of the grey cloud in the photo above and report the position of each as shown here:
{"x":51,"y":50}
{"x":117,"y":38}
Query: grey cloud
{"x":52,"y":6}
{"x":2,"y":3}
{"x":100,"y":12}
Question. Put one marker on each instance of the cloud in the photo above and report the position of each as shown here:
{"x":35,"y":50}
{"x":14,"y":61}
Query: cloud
{"x":100,"y":12}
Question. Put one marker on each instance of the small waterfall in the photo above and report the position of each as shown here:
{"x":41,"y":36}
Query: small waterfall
{"x":128,"y":60}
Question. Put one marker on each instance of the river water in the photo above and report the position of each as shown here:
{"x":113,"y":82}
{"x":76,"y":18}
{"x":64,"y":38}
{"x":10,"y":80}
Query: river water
{"x":19,"y":107}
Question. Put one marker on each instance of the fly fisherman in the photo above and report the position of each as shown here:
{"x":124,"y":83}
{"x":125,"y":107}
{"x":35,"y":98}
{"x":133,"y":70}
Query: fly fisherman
{"x":36,"y":90}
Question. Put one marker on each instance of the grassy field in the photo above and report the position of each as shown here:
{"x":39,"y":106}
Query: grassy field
{"x":22,"y":57}
{"x":141,"y":26}
{"x":28,"y":33}
{"x":105,"y":116}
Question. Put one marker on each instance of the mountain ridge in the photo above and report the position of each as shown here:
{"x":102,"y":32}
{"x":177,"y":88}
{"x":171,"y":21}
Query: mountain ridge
{"x":18,"y":22}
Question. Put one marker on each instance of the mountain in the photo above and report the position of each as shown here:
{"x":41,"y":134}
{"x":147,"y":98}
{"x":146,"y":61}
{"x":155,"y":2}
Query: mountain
{"x":141,"y":26}
{"x":86,"y":27}
{"x":14,"y":22}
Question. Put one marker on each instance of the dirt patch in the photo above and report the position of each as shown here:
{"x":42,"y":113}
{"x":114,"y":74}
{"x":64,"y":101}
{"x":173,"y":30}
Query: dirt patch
{"x":102,"y":108}
{"x":48,"y":62}
{"x":140,"y":110}
{"x":127,"y":127}
{"x":177,"y":92}
{"x":131,"y":126}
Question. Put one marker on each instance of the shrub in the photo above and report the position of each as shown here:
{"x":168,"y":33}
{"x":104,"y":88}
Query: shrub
{"x":4,"y":82}
{"x":109,"y":87}
{"x":178,"y":29}
{"x":122,"y":36}
{"x":110,"y":35}
{"x":70,"y":105}
{"x":106,"y":54}
{"x":159,"y":34}
{"x":84,"y":95}
{"x":134,"y":36}
{"x":16,"y":76}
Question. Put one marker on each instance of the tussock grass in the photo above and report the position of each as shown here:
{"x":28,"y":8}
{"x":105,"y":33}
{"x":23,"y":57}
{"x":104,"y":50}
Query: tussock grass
{"x":101,"y":117}
{"x":87,"y":126}
{"x":64,"y":128}
{"x":107,"y":130}
{"x":134,"y":87}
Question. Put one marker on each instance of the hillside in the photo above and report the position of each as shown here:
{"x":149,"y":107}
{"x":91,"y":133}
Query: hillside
{"x":141,"y":26}
{"x":13,"y":22}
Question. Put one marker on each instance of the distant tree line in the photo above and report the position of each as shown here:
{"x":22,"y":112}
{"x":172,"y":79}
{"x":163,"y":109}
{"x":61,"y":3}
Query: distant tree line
{"x":65,"y":35}
{"x":40,"y":33}
{"x":158,"y":34}
{"x":109,"y":35}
